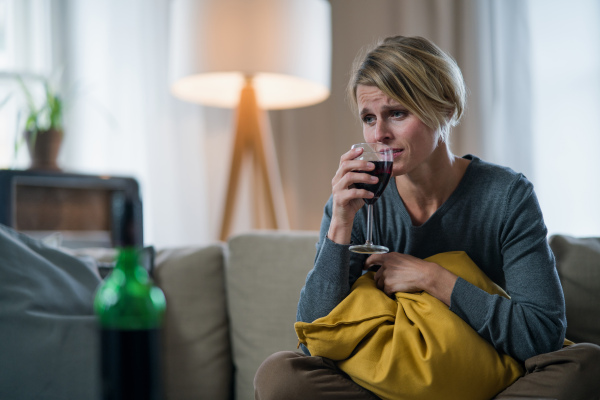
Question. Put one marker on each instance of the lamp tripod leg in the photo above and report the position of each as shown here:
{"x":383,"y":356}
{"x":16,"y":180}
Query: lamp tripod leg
{"x":239,"y":148}
{"x":248,"y":138}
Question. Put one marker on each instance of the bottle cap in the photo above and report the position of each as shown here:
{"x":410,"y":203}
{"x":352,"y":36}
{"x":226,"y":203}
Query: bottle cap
{"x":125,"y":229}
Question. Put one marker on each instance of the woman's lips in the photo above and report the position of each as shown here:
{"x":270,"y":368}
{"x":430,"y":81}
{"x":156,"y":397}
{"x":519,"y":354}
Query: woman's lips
{"x":397,"y":152}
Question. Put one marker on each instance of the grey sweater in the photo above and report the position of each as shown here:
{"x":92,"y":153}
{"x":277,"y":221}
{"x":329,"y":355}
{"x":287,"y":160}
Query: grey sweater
{"x":494,"y":216}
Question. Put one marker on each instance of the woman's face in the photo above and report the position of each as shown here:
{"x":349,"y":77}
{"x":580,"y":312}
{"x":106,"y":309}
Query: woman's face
{"x":384,"y":120}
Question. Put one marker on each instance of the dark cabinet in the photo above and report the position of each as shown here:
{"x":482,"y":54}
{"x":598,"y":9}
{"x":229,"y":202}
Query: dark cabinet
{"x":83,"y":209}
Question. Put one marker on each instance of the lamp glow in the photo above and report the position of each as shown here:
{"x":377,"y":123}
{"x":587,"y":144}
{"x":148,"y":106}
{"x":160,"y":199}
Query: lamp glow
{"x":222,"y":89}
{"x":254,"y":55}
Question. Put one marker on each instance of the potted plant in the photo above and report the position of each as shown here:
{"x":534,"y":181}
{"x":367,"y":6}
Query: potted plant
{"x":43,"y":130}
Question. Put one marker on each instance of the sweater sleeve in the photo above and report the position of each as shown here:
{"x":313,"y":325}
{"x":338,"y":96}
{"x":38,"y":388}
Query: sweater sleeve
{"x":329,"y":282}
{"x":533,"y":320}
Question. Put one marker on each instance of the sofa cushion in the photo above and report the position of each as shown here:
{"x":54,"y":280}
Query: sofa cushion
{"x":196,"y":352}
{"x":48,"y":332}
{"x":265,"y":273}
{"x":578,"y":264}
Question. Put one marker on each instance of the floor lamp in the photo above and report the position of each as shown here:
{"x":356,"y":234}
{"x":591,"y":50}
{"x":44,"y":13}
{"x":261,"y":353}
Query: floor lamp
{"x":251,"y":55}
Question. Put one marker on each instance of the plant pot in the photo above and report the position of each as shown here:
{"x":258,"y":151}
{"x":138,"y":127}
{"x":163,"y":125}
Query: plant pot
{"x":44,"y":148}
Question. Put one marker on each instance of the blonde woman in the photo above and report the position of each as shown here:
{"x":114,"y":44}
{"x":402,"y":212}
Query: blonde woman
{"x":408,"y":94}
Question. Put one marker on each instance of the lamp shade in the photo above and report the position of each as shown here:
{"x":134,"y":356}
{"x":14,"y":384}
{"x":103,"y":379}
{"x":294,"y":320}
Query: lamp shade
{"x":283,"y":45}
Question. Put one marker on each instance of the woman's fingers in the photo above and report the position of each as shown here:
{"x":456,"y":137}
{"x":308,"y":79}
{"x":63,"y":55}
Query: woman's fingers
{"x":348,"y":199}
{"x":342,"y":170}
{"x":398,"y":272}
{"x":349,"y":166}
{"x":348,"y":176}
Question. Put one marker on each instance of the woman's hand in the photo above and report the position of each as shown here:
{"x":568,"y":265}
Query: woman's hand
{"x":347,"y":199}
{"x":404,"y":273}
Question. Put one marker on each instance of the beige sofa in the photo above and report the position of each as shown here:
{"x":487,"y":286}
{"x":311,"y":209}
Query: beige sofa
{"x":232,"y":305}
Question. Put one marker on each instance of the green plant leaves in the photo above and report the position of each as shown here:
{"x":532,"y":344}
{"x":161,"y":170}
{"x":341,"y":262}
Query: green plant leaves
{"x":48,"y":116}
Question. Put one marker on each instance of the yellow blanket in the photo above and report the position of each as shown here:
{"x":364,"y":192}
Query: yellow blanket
{"x":412,"y":347}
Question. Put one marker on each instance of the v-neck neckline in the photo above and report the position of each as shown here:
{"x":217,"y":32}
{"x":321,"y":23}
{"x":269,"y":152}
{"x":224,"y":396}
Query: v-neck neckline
{"x":454,"y":196}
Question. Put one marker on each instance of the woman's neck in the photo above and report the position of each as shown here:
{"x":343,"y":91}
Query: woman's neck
{"x":426,"y":188}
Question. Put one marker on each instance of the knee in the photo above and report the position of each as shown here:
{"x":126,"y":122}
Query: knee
{"x":274,"y":376}
{"x":588,"y":369}
{"x":589,"y":358}
{"x":581,"y":365}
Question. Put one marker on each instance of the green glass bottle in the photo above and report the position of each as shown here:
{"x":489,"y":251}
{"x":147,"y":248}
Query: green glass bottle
{"x":130,"y":312}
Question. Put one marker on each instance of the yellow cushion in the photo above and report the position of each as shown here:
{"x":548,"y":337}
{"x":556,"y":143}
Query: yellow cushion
{"x":412,"y":347}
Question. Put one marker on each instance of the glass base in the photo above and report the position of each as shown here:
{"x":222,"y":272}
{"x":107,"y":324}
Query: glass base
{"x":369,"y":249}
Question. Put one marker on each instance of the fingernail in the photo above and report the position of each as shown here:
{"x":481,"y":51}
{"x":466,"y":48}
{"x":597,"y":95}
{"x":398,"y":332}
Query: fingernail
{"x":373,"y":179}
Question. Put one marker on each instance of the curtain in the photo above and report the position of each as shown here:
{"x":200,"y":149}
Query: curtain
{"x":566,"y":123}
{"x":122,"y":120}
{"x":504,"y":84}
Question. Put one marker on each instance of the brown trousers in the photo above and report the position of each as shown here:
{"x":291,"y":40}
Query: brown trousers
{"x":572,"y":373}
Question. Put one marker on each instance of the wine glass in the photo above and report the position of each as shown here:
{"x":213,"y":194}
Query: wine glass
{"x":383,"y":157}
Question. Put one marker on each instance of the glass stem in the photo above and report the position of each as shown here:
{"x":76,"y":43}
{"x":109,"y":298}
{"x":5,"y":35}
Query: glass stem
{"x":369,"y":224}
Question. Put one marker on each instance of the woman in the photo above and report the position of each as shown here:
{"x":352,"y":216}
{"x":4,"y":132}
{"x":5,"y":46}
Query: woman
{"x":408,"y":95}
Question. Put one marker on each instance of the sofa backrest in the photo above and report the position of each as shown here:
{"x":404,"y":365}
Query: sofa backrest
{"x":578,"y":265}
{"x":196,"y":348}
{"x":265,"y":271}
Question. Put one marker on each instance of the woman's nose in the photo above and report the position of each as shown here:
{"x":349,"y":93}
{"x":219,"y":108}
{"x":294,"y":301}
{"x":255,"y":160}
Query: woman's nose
{"x":382,"y":132}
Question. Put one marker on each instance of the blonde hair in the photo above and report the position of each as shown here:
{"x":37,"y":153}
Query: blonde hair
{"x":417,"y":74}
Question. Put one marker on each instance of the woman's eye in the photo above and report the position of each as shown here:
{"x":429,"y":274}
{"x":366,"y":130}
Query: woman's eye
{"x":368,"y":119}
{"x":398,"y":114}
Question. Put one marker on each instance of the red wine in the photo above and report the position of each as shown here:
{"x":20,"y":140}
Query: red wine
{"x":383,"y":170}
{"x":131,"y":366}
